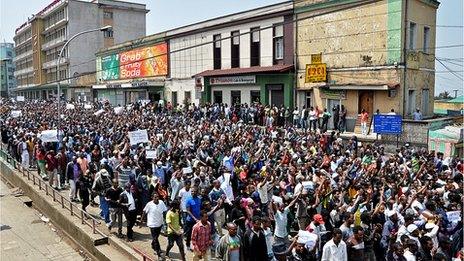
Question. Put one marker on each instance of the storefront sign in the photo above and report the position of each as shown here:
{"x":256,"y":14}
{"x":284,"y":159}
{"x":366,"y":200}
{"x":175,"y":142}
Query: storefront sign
{"x":316,"y":58}
{"x":139,"y":84}
{"x":332,"y":94}
{"x":249,"y":79}
{"x":113,"y":86}
{"x":141,"y":62}
{"x":316,"y":72}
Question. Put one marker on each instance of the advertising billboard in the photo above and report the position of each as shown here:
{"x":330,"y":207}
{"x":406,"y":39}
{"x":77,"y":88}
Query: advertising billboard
{"x":137,"y":63}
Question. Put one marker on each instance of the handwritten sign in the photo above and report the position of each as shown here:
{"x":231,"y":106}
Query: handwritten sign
{"x":49,"y":136}
{"x":16,"y":114}
{"x":150,"y":154}
{"x":137,"y":137}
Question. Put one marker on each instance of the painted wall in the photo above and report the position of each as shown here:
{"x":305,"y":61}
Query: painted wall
{"x":244,"y":92}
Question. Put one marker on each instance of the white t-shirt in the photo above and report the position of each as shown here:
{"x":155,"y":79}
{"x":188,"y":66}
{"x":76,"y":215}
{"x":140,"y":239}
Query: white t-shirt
{"x":184,"y":195}
{"x":263,"y":195}
{"x":269,"y":240}
{"x":281,"y":223}
{"x":155,"y":213}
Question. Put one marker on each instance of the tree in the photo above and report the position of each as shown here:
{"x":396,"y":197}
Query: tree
{"x":444,"y":95}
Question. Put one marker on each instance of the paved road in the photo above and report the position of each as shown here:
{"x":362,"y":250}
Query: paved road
{"x":24,"y":236}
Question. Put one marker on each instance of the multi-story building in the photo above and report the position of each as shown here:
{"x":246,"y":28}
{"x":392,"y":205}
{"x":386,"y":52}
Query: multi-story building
{"x":372,"y":55}
{"x":238,"y":58}
{"x":7,"y":68}
{"x":39,"y":40}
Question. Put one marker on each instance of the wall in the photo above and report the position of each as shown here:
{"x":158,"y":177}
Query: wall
{"x":244,"y":91}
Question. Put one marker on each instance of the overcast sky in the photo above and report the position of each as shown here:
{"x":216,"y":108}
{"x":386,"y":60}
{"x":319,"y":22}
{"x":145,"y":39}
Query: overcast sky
{"x":167,"y":14}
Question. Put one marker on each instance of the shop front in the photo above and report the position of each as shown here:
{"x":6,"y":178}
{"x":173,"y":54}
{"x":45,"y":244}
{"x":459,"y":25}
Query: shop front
{"x":249,"y":85}
{"x":126,"y":93}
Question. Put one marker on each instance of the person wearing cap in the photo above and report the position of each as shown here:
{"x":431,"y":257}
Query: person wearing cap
{"x":335,"y":249}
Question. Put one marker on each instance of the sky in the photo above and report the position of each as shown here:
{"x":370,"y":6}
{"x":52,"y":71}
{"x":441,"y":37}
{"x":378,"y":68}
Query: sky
{"x":168,"y":14}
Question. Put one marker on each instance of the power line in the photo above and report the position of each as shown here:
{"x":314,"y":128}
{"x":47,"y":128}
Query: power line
{"x":446,"y":67}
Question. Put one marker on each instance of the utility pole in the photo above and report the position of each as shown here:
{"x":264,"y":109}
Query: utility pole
{"x":455,"y":93}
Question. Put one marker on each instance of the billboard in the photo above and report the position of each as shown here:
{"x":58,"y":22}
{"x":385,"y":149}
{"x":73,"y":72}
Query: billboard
{"x":137,"y":63}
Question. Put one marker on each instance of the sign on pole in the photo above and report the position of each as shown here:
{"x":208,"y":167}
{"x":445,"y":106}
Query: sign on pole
{"x":137,"y":137}
{"x":388,"y":124}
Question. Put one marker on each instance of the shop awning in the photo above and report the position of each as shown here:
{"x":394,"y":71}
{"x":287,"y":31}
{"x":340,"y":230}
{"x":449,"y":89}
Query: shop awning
{"x":249,"y":70}
{"x":379,"y":87}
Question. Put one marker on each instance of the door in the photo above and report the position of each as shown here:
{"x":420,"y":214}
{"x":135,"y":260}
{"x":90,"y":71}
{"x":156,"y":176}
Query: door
{"x":255,"y":97}
{"x":235,"y":97}
{"x":366,"y":101}
{"x":330,"y":105}
{"x":277,"y":98}
{"x":217,"y":97}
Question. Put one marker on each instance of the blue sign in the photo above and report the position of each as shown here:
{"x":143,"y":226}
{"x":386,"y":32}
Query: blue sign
{"x":388,"y":124}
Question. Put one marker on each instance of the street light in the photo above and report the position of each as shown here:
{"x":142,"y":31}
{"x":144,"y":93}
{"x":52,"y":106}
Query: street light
{"x":102,"y":29}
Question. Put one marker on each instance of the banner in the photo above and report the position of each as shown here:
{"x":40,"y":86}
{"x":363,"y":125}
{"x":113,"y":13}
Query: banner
{"x":137,"y":137}
{"x":16,"y":114}
{"x":49,"y":136}
{"x":144,"y":62}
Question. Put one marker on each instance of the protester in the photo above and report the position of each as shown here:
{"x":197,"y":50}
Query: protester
{"x":201,"y":238}
{"x":155,"y":211}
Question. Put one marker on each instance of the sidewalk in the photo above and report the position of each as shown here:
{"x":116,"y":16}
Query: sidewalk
{"x":24,"y":236}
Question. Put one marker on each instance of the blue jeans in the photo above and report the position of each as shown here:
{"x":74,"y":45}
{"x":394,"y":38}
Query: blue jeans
{"x":105,"y":210}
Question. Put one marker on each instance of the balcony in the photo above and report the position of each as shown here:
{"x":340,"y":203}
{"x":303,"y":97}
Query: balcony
{"x":54,"y":63}
{"x":53,"y":43}
{"x":22,"y":56}
{"x":23,"y":71}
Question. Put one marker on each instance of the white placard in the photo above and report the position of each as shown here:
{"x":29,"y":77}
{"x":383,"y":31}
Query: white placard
{"x":453,"y":216}
{"x":150,"y":154}
{"x":16,"y":114}
{"x":99,"y":112}
{"x":49,"y":136}
{"x":187,"y":170}
{"x":20,"y":98}
{"x":87,"y":106}
{"x":137,"y":137}
{"x":118,"y":110}
{"x":70,"y":106}
{"x":277,"y":199}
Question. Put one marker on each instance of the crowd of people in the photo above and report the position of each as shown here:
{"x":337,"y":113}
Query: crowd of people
{"x":245,"y":182}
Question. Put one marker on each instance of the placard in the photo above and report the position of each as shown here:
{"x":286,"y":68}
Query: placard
{"x":150,"y":154}
{"x":137,"y":137}
{"x":99,"y":112}
{"x":70,"y":106}
{"x":49,"y":136}
{"x":453,"y":216}
{"x":87,"y":106}
{"x":118,"y":110}
{"x":20,"y":98}
{"x":16,"y":114}
{"x":187,"y":170}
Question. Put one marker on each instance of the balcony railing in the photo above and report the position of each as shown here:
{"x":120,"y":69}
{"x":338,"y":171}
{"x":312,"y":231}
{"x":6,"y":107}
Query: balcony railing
{"x":23,"y":55}
{"x":23,"y":71}
{"x":53,"y":43}
{"x":54,"y":63}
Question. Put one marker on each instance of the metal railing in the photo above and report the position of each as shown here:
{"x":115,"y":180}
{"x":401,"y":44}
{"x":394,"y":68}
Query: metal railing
{"x":75,"y":210}
{"x":145,"y":257}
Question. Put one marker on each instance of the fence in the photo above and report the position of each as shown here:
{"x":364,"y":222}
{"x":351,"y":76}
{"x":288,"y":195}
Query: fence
{"x":74,"y":209}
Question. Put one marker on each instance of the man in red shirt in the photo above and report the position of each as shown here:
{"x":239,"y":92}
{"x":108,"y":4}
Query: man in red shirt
{"x":201,"y":238}
{"x":52,"y":166}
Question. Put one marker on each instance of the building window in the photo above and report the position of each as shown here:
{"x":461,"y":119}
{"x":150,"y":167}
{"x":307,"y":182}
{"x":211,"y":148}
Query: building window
{"x":174,"y":98}
{"x":412,"y":35}
{"x":278,"y":42}
{"x":187,"y":97}
{"x":9,"y":54}
{"x":392,"y":93}
{"x":217,"y":97}
{"x":255,"y":47}
{"x":235,"y":97}
{"x":426,"y":39}
{"x":235,"y":49}
{"x":108,"y":34}
{"x":425,"y":101}
{"x":308,"y":100}
{"x":255,"y":96}
{"x":107,"y":15}
{"x":217,"y":51}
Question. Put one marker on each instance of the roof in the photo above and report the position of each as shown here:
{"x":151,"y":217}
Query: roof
{"x":459,"y":99}
{"x":249,"y":70}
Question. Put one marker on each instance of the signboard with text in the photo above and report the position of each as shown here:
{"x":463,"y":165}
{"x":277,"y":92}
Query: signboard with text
{"x":248,"y":79}
{"x":316,"y":72}
{"x":388,"y":124}
{"x":139,"y":136}
{"x":147,"y":61}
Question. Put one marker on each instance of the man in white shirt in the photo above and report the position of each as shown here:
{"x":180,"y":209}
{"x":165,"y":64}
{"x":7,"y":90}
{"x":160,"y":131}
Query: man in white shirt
{"x":184,"y":194}
{"x":335,"y":249}
{"x":155,"y":210}
{"x":176,"y":184}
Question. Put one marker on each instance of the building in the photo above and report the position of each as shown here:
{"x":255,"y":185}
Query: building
{"x":447,"y":140}
{"x":39,"y":40}
{"x":451,"y":107}
{"x":242,"y":57}
{"x":372,"y":55}
{"x":7,"y":68}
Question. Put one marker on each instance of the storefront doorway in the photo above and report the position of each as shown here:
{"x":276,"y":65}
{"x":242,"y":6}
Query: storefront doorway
{"x":331,"y":104}
{"x":276,"y":94}
{"x":366,"y":101}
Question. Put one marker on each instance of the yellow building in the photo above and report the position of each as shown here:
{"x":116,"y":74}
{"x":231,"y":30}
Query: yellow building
{"x":372,"y":55}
